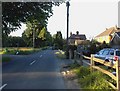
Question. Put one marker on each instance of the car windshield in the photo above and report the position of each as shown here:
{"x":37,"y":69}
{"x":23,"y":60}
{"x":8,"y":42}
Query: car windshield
{"x":118,"y":53}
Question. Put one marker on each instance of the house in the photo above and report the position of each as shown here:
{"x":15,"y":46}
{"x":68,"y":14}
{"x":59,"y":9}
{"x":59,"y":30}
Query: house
{"x":115,"y":41}
{"x":76,"y":39}
{"x":107,"y":35}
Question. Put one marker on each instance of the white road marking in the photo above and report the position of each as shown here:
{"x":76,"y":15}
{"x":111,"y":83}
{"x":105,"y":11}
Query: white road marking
{"x":33,"y":62}
{"x":3,"y":86}
{"x":40,"y":56}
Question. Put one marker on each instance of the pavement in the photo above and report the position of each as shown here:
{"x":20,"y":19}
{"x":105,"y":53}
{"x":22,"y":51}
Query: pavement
{"x":40,"y":70}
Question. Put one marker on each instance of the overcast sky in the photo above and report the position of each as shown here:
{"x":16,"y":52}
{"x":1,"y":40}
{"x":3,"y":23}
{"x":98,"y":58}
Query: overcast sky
{"x":89,"y":17}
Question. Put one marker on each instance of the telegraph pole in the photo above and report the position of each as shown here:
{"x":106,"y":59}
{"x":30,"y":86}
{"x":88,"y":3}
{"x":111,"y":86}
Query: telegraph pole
{"x":67,"y":4}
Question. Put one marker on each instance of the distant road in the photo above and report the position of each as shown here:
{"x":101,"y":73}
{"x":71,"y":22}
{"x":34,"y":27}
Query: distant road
{"x":36,"y":71}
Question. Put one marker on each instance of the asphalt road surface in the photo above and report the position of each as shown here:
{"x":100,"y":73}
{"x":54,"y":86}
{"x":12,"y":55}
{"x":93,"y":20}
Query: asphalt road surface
{"x":40,"y":70}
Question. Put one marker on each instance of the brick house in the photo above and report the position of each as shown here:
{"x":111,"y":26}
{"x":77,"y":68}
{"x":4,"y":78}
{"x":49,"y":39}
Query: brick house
{"x":77,"y":39}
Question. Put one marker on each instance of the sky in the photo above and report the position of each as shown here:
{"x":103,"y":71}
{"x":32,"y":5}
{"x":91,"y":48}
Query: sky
{"x":89,"y":17}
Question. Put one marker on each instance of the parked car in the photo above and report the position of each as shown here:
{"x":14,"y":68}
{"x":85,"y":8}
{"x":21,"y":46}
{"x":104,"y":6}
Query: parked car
{"x":108,"y":54}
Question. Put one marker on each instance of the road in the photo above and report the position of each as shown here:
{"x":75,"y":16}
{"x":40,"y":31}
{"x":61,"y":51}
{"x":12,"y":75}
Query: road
{"x":40,"y":70}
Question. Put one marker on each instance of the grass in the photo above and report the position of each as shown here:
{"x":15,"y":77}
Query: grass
{"x":20,"y":50}
{"x":95,"y":80}
{"x":60,"y":54}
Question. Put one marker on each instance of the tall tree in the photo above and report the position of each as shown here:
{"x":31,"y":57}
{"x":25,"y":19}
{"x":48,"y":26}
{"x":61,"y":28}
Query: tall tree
{"x":13,"y":13}
{"x":58,"y":40}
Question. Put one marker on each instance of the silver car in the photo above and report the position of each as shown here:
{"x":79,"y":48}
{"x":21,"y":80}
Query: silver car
{"x":108,"y":54}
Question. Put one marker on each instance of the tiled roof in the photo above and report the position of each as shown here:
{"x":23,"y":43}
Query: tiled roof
{"x":108,"y":32}
{"x":80,"y":36}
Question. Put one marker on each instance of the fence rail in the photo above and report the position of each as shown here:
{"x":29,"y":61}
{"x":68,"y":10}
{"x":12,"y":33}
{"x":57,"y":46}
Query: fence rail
{"x":79,"y":58}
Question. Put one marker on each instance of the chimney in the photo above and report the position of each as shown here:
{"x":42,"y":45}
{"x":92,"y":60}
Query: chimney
{"x":116,"y":27}
{"x":70,"y":33}
{"x":77,"y":32}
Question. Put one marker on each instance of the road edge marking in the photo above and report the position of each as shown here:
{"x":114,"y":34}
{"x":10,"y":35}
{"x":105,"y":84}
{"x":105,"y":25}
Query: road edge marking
{"x":3,"y":86}
{"x":40,"y":56}
{"x":32,"y":62}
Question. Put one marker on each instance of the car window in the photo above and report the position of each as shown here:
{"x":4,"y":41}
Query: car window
{"x":118,"y":53}
{"x":111,"y":52}
{"x":106,"y":52}
{"x":101,"y":52}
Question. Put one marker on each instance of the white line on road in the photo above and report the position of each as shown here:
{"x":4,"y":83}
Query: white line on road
{"x":3,"y":86}
{"x":40,"y":56}
{"x":33,"y":62}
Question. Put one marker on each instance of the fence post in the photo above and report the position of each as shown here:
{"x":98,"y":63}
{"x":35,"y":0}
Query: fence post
{"x":92,"y":63}
{"x":81,"y":59}
{"x":118,"y":74}
{"x":75,"y":56}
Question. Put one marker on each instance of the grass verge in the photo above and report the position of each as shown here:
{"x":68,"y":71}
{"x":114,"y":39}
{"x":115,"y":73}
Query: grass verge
{"x":21,"y":51}
{"x":91,"y":81}
{"x":61,"y":54}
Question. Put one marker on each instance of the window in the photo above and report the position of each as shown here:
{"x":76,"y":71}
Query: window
{"x":118,"y":53}
{"x":111,"y":52}
{"x":106,"y":52}
{"x":101,"y":52}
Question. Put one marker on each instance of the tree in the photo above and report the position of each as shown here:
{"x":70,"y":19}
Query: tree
{"x":13,"y":13}
{"x":42,"y":36}
{"x":15,"y":42}
{"x":58,"y":40}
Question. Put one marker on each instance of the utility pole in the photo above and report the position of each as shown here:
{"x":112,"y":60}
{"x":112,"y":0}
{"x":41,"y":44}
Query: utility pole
{"x":67,"y":4}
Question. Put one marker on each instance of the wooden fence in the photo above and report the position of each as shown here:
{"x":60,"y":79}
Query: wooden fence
{"x":79,"y":58}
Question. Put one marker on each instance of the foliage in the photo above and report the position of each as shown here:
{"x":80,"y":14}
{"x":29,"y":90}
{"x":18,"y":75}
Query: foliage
{"x":95,"y":46}
{"x":74,"y":65}
{"x":22,"y":51}
{"x":13,"y":42}
{"x":34,"y":14}
{"x":95,"y":80}
{"x":42,"y":36}
{"x":58,"y":40}
{"x":25,"y":11}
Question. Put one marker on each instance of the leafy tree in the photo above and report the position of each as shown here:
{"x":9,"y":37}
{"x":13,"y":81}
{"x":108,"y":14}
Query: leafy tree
{"x":58,"y":40}
{"x":43,"y":34}
{"x":15,"y":42}
{"x":13,"y":13}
